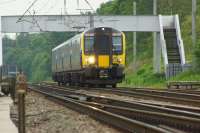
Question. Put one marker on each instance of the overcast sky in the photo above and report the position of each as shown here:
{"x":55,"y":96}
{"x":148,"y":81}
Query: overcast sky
{"x":18,"y":7}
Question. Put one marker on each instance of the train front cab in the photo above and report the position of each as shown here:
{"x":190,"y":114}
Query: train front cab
{"x":103,"y":56}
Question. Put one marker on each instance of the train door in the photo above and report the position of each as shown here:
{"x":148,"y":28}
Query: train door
{"x":103,"y":47}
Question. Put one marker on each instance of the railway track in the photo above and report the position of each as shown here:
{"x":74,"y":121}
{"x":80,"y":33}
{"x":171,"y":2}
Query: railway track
{"x":178,"y":93}
{"x":165,"y":96}
{"x":118,"y":121}
{"x":163,"y":119}
{"x":185,"y":93}
{"x":170,"y":106}
{"x":192,"y":104}
{"x":178,"y":107}
{"x":188,"y":91}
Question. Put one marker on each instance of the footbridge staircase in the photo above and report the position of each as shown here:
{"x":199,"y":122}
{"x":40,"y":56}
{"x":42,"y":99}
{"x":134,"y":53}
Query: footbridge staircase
{"x":172,"y":45}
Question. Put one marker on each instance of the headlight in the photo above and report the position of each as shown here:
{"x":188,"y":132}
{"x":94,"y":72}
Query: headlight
{"x":117,"y":59}
{"x":91,"y":60}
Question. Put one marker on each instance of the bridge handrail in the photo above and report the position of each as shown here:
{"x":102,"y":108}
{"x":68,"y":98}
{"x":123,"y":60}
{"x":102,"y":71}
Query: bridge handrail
{"x":163,"y":42}
{"x":179,"y":40}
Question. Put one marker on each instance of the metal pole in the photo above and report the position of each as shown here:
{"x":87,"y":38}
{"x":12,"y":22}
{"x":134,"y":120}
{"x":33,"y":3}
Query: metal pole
{"x":91,"y":20}
{"x":134,"y":38}
{"x":78,"y":4}
{"x":21,"y":111}
{"x":1,"y":46}
{"x":194,"y":9}
{"x":65,"y":7}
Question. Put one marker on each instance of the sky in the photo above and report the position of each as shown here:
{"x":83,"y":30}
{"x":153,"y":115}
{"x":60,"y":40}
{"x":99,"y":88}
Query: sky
{"x":44,"y":7}
{"x":18,"y":7}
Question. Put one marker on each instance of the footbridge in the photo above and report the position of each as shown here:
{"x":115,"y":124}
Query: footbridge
{"x":168,"y":42}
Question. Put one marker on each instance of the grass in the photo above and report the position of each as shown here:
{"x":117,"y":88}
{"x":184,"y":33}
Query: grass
{"x":187,"y":76}
{"x":144,"y":77}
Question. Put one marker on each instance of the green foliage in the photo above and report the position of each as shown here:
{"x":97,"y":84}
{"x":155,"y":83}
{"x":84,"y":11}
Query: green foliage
{"x":180,"y":7}
{"x":187,"y":76}
{"x":125,"y":7}
{"x":32,"y":53}
{"x":42,"y":66}
{"x":144,"y":76}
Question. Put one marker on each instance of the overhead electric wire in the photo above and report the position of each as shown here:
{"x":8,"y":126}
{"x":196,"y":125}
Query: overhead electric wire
{"x":34,"y":21}
{"x":27,"y":10}
{"x":69,"y":22}
{"x":89,"y":5}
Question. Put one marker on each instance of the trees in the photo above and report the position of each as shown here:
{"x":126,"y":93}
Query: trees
{"x":32,"y":53}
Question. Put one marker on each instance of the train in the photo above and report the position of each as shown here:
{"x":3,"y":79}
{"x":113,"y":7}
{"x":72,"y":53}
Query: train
{"x":93,"y":57}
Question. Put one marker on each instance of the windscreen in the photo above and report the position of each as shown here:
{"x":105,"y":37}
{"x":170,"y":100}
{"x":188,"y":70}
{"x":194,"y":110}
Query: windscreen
{"x":103,"y":41}
{"x":117,"y":44}
{"x":89,"y":44}
{"x":102,"y":44}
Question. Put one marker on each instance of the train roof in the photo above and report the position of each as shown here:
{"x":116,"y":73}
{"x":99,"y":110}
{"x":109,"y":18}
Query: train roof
{"x":66,"y":42}
{"x":92,"y":30}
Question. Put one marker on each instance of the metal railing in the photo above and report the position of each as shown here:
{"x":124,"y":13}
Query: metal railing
{"x":173,"y":70}
{"x":179,"y":40}
{"x":163,"y":42}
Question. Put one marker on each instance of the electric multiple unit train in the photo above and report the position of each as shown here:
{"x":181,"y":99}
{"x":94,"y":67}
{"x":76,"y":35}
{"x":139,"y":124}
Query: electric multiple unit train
{"x":96,"y":56}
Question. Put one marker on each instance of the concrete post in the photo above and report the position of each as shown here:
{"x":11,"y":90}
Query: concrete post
{"x":157,"y":49}
{"x":65,"y":7}
{"x":21,"y":111}
{"x":156,"y":45}
{"x":134,"y":39}
{"x":91,"y":20}
{"x":1,"y":47}
{"x":194,"y":9}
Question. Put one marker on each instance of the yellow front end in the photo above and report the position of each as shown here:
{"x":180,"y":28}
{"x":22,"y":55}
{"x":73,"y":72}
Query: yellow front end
{"x":103,"y":61}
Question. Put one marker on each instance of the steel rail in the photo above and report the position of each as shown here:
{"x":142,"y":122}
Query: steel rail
{"x":107,"y":117}
{"x":176,"y":107}
{"x":196,"y":92}
{"x":178,"y":98}
{"x":179,"y":122}
{"x":179,"y":91}
{"x":166,"y":93}
{"x":184,"y":91}
{"x":104,"y":100}
{"x":142,"y":95}
{"x":154,"y":92}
